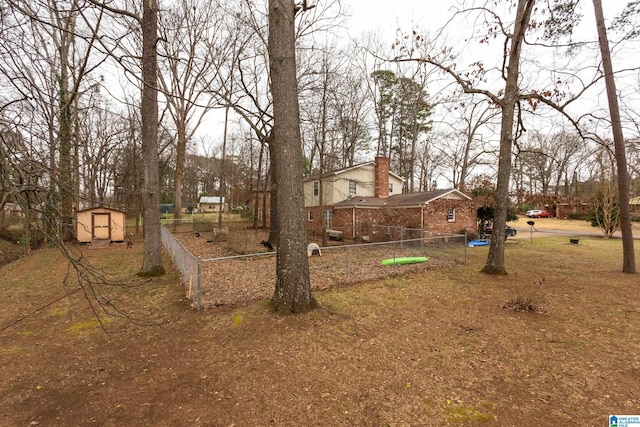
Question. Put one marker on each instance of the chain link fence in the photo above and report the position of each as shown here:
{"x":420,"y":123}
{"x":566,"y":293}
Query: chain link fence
{"x":251,"y":274}
{"x":190,"y":266}
{"x":368,"y":232}
{"x":237,"y":237}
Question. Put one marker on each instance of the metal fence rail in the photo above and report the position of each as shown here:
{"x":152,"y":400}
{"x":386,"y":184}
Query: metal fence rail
{"x":189,"y":266}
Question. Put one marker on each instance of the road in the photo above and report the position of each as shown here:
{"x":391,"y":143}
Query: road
{"x":546,"y":227}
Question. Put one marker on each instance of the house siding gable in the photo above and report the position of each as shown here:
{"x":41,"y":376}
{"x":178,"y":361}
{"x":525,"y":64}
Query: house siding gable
{"x":336,"y":186}
{"x":364,"y":178}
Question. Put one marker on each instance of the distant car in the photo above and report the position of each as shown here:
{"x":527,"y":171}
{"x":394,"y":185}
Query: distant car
{"x":537,"y":213}
{"x":509,"y":231}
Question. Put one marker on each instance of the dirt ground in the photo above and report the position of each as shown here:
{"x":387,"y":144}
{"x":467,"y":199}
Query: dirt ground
{"x":433,"y":348}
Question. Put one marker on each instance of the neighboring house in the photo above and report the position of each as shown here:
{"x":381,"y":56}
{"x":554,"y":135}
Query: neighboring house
{"x":210,"y":204}
{"x":100,"y":224}
{"x":166,"y":208}
{"x":12,"y":209}
{"x":374,"y":202}
{"x":634,"y":204}
{"x":189,"y":207}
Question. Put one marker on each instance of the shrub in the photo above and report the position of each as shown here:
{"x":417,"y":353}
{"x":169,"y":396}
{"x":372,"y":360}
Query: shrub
{"x":526,"y":298}
{"x":582,"y":216}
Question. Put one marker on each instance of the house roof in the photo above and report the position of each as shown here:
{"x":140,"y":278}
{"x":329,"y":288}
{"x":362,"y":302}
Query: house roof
{"x":403,"y":200}
{"x":364,"y":201}
{"x":428,"y":197}
{"x":347,"y":169}
{"x":11,"y":206}
{"x":210,"y":199}
{"x":100,"y":208}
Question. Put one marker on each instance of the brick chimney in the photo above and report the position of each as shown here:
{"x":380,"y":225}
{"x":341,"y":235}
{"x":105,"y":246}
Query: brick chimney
{"x":382,"y":178}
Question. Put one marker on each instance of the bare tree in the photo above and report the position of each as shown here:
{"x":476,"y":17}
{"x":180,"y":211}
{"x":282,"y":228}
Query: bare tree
{"x":429,"y":163}
{"x":628,"y":262}
{"x":293,"y":290}
{"x":605,"y":209}
{"x":193,"y":43}
{"x":495,"y":259}
{"x":152,"y":260}
{"x":51,"y":78}
{"x":242,"y":82}
{"x":514,"y":99}
{"x":506,"y":99}
{"x":102,"y":136}
{"x":545,"y":159}
{"x":465,"y":147}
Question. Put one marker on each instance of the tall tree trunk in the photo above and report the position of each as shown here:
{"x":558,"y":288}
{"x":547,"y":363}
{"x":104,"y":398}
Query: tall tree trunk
{"x":465,"y":164}
{"x":181,"y":154}
{"x":152,"y":260}
{"x":65,"y":183}
{"x":628,"y":262}
{"x":293,"y":289}
{"x":270,"y":185}
{"x":223,"y":165}
{"x":256,"y":196}
{"x":322,"y":150}
{"x":495,"y":258}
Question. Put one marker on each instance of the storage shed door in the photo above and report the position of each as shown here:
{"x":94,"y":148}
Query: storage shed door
{"x":100,"y":223}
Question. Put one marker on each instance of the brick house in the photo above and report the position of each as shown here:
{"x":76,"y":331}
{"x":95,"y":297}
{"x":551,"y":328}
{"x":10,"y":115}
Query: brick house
{"x":372,"y":200}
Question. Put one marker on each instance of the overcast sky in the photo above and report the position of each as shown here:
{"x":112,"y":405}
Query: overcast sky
{"x":428,"y":16}
{"x":385,"y":15}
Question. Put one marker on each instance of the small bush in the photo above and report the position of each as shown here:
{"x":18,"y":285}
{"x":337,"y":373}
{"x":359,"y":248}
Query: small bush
{"x":526,"y":298}
{"x":13,"y":231}
{"x":581,"y":216}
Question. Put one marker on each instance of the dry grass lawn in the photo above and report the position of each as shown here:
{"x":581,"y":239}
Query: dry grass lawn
{"x":434,"y":348}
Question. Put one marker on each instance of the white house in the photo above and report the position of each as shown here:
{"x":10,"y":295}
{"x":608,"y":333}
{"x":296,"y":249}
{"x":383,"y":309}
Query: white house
{"x":210,"y":204}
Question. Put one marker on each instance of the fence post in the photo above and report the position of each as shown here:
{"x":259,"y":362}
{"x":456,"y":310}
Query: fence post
{"x":395,"y":255}
{"x":199,"y":284}
{"x":465,"y":248}
{"x":346,"y":264}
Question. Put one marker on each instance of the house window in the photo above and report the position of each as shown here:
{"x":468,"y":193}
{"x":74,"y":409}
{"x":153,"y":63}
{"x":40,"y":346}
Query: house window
{"x":451,"y":216}
{"x":310,"y":215}
{"x":328,"y":218}
{"x":391,"y":188}
{"x":316,"y":188}
{"x":352,"y":188}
